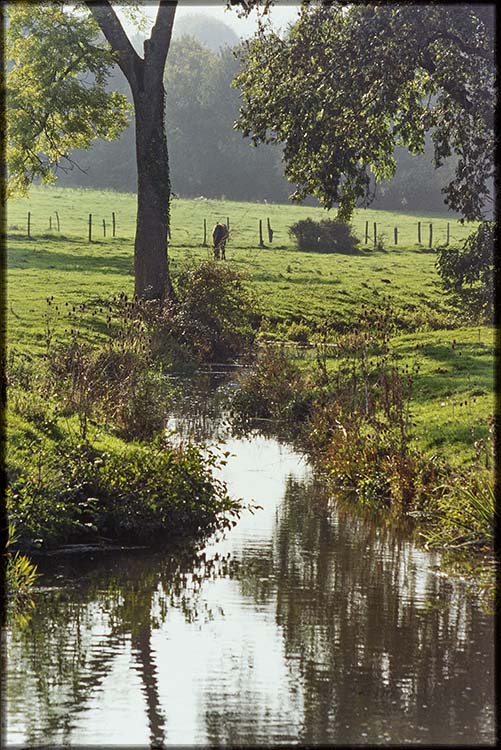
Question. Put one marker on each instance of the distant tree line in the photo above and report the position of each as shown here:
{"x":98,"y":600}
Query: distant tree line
{"x":209,"y":158}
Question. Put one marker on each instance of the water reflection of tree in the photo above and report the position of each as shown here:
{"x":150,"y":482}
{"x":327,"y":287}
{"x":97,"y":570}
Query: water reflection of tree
{"x":61,"y":663}
{"x":377,"y":653}
{"x":374,"y":657}
{"x":384,"y":649}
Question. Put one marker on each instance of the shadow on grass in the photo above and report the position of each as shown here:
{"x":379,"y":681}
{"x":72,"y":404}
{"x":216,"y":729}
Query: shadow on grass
{"x":279,"y":278}
{"x":38,"y":259}
{"x":456,"y":434}
{"x":332,"y":253}
{"x":467,"y":368}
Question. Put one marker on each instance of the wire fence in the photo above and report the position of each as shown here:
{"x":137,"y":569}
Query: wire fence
{"x":260,"y":232}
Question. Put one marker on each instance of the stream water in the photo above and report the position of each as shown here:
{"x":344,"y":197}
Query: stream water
{"x":305,"y":623}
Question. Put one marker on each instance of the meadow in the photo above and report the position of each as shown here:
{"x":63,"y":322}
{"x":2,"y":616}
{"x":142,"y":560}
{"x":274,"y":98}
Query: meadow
{"x":453,"y":389}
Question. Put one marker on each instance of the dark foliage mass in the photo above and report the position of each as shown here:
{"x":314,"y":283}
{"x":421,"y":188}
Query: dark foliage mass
{"x":326,"y":236}
{"x":347,"y":86}
{"x":468,"y":272}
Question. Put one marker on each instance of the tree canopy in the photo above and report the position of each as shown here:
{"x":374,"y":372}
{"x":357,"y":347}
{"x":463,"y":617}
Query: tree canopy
{"x":349,"y":84}
{"x":56,"y":91}
{"x":468,"y":273}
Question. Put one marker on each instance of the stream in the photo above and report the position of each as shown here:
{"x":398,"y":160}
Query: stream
{"x":305,"y":623}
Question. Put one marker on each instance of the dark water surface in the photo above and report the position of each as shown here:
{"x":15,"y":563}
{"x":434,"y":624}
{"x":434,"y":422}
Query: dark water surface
{"x":305,"y":623}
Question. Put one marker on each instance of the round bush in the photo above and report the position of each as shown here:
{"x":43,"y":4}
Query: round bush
{"x":326,"y":236}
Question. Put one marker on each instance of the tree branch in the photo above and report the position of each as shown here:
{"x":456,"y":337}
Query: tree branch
{"x":485,"y":54}
{"x":157,"y":46}
{"x":108,"y":22}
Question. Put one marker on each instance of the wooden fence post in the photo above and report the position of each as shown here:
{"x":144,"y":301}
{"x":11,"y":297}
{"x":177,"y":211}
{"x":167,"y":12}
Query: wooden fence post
{"x":375,"y":234}
{"x":366,"y":232}
{"x":205,"y":233}
{"x":395,"y":232}
{"x":431,"y":234}
{"x":104,"y":227}
{"x":419,"y":232}
{"x":90,"y":227}
{"x":57,"y":220}
{"x":113,"y":221}
{"x":50,"y":222}
{"x":261,"y":242}
{"x":228,"y":223}
{"x":270,"y":231}
{"x":448,"y":232}
{"x":29,"y":224}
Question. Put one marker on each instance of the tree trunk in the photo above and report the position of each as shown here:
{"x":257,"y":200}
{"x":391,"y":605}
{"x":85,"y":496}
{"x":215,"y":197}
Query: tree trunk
{"x":152,"y":278}
{"x":145,"y":77}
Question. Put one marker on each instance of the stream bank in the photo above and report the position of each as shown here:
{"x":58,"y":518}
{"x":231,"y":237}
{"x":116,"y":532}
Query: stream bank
{"x":302,"y":623}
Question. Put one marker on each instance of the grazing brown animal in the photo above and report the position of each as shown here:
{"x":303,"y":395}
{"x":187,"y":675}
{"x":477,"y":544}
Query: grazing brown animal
{"x":220,"y":236}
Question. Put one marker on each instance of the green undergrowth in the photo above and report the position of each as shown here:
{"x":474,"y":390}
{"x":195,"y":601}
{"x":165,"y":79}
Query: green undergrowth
{"x":87,"y":459}
{"x":104,"y":490}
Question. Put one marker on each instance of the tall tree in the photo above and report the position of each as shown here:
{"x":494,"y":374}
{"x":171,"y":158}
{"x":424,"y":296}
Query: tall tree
{"x":145,"y":77}
{"x":57,"y":97}
{"x":349,"y":83}
{"x":36,"y":32}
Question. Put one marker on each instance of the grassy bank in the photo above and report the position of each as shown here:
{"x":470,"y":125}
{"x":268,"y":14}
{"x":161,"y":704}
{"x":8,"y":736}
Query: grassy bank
{"x":328,"y":301}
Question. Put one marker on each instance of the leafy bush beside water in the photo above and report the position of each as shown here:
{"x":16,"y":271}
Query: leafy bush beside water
{"x":73,"y":474}
{"x":137,"y":495}
{"x":354,"y":420}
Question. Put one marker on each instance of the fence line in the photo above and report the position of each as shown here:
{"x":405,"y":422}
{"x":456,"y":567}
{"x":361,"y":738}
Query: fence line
{"x":384,"y":235}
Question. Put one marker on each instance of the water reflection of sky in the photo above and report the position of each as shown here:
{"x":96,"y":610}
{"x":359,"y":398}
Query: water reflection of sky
{"x":305,"y":623}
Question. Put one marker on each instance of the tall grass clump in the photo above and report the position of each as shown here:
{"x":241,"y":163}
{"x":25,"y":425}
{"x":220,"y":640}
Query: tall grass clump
{"x":465,"y":514}
{"x":19,"y":576}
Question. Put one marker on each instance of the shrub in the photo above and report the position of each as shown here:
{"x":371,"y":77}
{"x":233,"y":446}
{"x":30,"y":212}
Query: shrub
{"x":216,"y":311}
{"x":467,"y":273}
{"x":274,"y":389}
{"x":212,"y":319}
{"x":136,"y":495}
{"x":326,"y":236}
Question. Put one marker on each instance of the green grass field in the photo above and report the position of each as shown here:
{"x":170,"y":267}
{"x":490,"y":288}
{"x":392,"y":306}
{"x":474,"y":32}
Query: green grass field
{"x":453,"y":394}
{"x":290,"y":284}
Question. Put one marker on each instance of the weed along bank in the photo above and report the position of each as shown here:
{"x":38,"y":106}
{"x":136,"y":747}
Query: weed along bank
{"x":260,"y":511}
